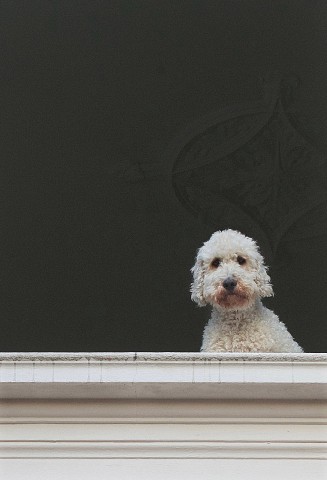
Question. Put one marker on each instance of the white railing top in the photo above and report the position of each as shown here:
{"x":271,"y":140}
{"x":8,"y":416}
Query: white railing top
{"x":162,"y":356}
{"x":167,"y":375}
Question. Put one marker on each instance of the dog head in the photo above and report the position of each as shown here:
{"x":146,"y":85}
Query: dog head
{"x":229,"y":272}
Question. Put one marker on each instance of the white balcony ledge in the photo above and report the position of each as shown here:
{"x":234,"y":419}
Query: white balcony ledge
{"x":166,"y":375}
{"x":162,"y":415}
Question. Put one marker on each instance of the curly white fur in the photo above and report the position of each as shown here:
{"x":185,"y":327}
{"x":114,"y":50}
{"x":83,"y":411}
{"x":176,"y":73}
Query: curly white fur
{"x":230,"y":275}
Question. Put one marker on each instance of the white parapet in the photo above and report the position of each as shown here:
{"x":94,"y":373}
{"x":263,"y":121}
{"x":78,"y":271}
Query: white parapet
{"x":163,"y":375}
{"x":156,"y":416}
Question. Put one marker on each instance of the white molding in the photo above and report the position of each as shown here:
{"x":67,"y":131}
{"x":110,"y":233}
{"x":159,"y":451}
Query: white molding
{"x":163,"y":438}
{"x":165,"y":375}
{"x":161,"y":356}
{"x":165,"y":450}
{"x":166,"y":415}
{"x":161,"y":411}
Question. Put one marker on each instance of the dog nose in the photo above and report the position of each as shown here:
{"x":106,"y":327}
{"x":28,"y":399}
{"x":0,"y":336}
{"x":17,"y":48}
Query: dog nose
{"x":229,"y":284}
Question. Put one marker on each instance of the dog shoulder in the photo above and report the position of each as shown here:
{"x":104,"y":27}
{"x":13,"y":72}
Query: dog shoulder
{"x":284,"y":342}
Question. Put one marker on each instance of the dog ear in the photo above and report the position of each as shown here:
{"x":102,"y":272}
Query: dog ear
{"x":262,"y":280}
{"x":197,"y":285}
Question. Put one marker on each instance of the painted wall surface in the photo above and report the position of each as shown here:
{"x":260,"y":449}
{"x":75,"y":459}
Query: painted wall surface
{"x":133,"y":130}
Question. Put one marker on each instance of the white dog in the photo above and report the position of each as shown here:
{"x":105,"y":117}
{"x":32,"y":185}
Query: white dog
{"x":230,"y":275}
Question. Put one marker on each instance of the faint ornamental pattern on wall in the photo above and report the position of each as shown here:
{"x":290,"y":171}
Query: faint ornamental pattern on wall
{"x":251,"y":169}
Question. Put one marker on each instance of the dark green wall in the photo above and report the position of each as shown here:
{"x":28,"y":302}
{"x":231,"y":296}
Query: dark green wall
{"x":96,"y":245}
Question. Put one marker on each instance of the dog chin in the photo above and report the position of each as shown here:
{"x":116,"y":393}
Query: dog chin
{"x":232,"y":301}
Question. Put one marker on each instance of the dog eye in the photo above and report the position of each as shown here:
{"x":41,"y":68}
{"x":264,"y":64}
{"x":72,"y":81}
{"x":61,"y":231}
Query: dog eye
{"x":241,"y":260}
{"x":215,"y":263}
